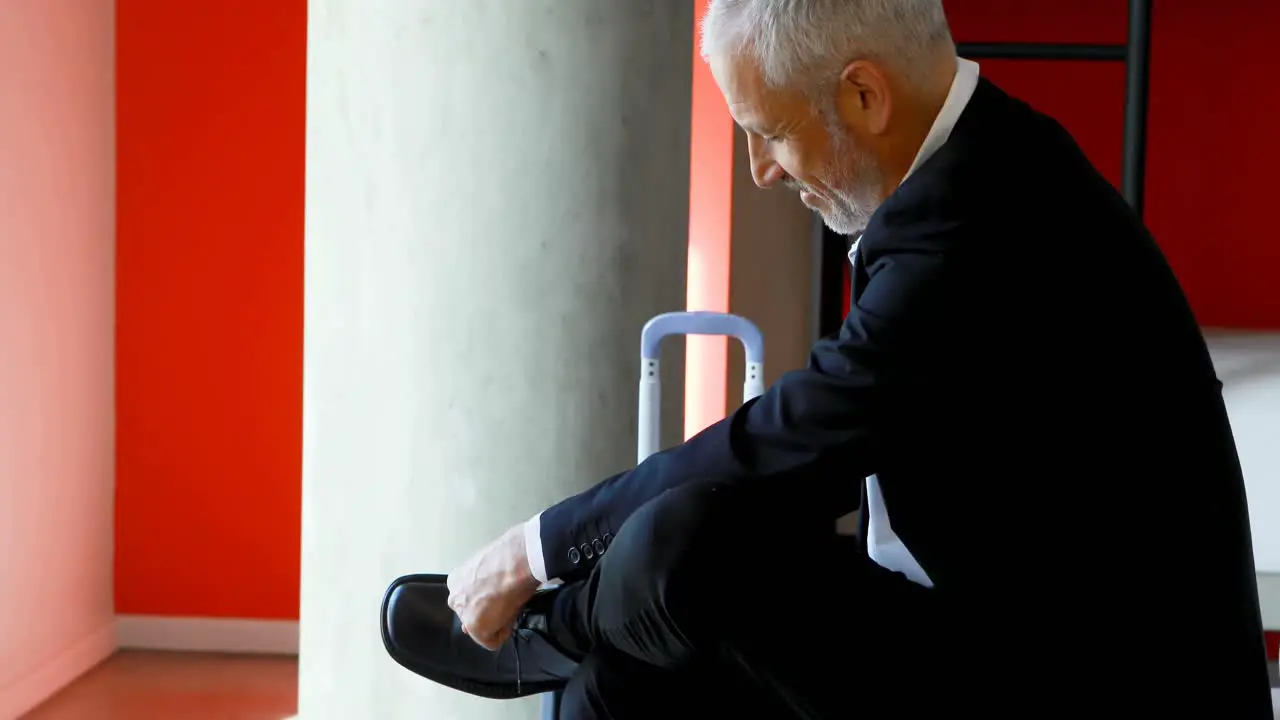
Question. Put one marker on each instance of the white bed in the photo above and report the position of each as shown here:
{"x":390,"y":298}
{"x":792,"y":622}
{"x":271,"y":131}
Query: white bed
{"x":1249,"y":366}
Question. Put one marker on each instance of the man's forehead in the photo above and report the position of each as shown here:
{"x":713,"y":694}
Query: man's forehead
{"x":743,"y":87}
{"x":738,"y":75}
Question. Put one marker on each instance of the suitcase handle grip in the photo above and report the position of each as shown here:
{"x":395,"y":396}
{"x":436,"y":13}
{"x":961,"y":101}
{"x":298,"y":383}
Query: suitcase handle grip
{"x":699,"y":322}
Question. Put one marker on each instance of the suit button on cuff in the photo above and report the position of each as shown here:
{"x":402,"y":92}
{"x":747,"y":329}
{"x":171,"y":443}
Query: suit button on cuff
{"x":587,"y":552}
{"x":598,"y":545}
{"x":574,"y":556}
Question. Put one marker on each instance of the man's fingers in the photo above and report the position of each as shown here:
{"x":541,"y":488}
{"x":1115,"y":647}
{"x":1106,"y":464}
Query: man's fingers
{"x":492,"y":641}
{"x":501,"y":637}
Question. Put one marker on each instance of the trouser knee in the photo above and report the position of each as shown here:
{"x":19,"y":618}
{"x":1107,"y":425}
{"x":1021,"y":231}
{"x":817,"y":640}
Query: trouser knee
{"x":674,"y":535}
{"x":671,"y":563}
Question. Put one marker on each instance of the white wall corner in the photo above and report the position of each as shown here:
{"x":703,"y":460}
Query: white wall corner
{"x":221,"y":635}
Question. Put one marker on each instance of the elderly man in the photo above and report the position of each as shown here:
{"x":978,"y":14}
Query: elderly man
{"x":1020,"y":401}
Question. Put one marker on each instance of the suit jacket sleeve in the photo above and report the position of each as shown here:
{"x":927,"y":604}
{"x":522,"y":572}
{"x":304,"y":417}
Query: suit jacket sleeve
{"x":810,"y":437}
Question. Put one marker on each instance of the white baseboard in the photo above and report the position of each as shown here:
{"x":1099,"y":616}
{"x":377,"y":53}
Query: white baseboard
{"x":257,"y":637}
{"x":1269,"y":597}
{"x":43,"y":682}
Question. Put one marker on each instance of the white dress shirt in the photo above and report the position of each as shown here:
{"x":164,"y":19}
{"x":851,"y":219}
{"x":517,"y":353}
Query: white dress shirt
{"x":883,"y":545}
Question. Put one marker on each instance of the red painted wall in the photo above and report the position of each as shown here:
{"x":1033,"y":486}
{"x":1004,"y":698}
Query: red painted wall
{"x":211,"y":110}
{"x":1212,"y":151}
{"x":710,"y":237}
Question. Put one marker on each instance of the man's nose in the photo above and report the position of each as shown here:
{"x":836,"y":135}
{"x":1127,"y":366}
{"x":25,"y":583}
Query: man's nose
{"x":765,"y":171}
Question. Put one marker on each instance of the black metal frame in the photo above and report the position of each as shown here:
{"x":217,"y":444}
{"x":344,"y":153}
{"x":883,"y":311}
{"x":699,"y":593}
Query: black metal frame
{"x":1135,"y":53}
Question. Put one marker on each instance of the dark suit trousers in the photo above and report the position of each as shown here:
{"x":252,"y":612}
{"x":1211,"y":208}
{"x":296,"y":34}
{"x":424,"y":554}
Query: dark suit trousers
{"x":706,"y":602}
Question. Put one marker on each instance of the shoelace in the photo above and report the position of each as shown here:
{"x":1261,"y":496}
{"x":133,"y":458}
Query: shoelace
{"x":515,"y":647}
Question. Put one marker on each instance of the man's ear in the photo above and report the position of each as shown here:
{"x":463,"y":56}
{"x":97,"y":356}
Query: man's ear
{"x":863,"y":98}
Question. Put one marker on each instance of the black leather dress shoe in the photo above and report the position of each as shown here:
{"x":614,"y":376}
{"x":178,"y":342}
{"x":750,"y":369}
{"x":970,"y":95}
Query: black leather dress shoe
{"x":423,"y":634}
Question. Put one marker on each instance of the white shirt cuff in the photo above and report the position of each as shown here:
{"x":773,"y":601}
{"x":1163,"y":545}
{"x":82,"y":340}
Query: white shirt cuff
{"x":533,"y":547}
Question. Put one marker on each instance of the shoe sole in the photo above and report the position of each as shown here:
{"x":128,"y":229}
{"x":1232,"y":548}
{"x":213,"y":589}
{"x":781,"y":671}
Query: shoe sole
{"x":493,"y":691}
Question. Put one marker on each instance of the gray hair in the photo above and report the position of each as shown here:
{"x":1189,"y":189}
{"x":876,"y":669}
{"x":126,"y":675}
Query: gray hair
{"x":806,"y":42}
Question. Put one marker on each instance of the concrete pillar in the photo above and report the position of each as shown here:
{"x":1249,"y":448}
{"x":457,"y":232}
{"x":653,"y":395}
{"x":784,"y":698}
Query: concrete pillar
{"x":497,"y":199}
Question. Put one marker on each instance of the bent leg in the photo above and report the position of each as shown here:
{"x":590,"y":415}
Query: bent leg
{"x":719,"y":575}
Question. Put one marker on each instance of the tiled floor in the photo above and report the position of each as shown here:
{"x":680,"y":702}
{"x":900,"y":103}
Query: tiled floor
{"x":177,"y":686}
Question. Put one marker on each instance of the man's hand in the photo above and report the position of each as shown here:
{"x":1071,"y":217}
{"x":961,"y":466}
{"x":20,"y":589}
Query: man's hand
{"x":489,"y":590}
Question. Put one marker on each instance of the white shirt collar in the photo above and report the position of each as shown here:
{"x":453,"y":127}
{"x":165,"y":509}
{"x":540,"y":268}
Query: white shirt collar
{"x":962,"y":87}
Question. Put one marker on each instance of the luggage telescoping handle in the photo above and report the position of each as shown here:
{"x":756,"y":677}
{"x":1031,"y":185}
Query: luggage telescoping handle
{"x":658,"y":328}
{"x":689,"y":323}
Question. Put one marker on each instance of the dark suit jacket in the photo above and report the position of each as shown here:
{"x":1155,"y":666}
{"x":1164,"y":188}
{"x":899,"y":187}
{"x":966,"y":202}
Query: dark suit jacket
{"x":1021,"y":370}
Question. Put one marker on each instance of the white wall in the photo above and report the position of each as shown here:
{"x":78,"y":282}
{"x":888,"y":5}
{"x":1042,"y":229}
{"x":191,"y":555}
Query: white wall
{"x":1249,"y":366}
{"x":57,"y":245}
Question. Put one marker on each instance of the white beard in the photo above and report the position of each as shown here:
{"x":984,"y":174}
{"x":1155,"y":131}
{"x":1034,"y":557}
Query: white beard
{"x":854,"y":180}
